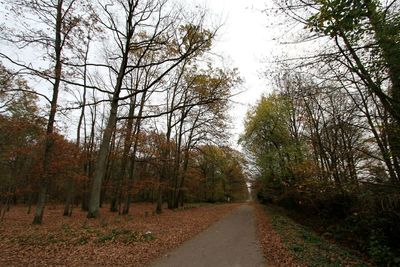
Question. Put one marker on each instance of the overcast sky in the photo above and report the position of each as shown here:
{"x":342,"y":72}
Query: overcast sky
{"x":247,"y":43}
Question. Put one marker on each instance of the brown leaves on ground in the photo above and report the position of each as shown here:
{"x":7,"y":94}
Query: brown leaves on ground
{"x":273,"y":248}
{"x":112,"y":240}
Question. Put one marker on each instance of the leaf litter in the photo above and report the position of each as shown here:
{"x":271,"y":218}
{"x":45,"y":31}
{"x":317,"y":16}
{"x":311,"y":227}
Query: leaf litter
{"x":112,"y":240}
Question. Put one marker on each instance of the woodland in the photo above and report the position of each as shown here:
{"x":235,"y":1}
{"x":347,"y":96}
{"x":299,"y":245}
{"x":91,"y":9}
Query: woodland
{"x":326,"y":142}
{"x":105,"y":104}
{"x":136,"y":110}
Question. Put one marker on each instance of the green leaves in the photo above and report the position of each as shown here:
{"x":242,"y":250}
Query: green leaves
{"x":267,"y":137}
{"x":222,"y":173}
{"x":339,"y":16}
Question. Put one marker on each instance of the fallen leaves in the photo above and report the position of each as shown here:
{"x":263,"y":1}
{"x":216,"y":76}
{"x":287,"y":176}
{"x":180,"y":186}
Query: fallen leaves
{"x":272,"y":245}
{"x":113,"y":240}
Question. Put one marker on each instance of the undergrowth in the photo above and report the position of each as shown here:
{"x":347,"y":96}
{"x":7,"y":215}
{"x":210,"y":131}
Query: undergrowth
{"x":308,"y":247}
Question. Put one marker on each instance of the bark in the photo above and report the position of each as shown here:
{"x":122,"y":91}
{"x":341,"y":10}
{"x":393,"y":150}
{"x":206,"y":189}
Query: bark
{"x":101,"y":161}
{"x":132,"y":170}
{"x":70,"y":196}
{"x":180,"y":194}
{"x":71,"y":185}
{"x":45,"y":179}
{"x":116,"y":198}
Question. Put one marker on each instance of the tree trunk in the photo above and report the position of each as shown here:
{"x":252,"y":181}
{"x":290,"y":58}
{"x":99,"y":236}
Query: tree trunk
{"x":101,"y":161}
{"x":70,"y":198}
{"x":30,"y":197}
{"x":45,"y":179}
{"x":132,"y":169}
{"x":116,"y":198}
{"x":159,"y":199}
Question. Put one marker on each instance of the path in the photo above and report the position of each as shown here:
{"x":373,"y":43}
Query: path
{"x":231,"y":242}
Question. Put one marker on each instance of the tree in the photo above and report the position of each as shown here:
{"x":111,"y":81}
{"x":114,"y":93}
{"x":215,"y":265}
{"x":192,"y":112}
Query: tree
{"x":353,"y":22}
{"x":217,"y":175}
{"x":53,"y":33}
{"x":361,"y":56}
{"x":147,"y":28}
{"x":21,"y":128}
{"x":267,"y":137}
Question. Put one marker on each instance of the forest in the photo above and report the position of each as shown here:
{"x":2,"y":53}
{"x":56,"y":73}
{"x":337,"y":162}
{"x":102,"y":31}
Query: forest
{"x":326,"y":141}
{"x":136,"y":110}
{"x":112,"y":105}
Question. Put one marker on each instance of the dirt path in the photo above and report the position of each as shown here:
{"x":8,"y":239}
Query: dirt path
{"x":231,"y":242}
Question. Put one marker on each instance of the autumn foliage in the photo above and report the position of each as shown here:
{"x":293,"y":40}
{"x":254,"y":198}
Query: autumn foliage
{"x":184,"y":172}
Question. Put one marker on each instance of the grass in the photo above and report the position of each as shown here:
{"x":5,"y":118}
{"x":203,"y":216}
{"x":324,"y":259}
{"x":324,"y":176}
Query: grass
{"x":308,"y":247}
{"x":82,"y":236}
{"x":125,"y":236}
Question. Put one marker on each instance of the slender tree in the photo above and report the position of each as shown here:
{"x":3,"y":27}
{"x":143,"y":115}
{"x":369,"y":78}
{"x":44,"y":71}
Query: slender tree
{"x":53,"y":32}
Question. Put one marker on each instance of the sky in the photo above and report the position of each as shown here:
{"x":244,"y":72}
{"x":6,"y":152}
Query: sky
{"x":246,"y":42}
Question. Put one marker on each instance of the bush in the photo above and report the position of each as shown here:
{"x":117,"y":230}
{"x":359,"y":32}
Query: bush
{"x":336,"y":206}
{"x":366,"y":219}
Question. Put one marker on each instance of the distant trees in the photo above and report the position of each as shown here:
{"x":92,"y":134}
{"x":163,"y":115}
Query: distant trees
{"x":219,"y":175}
{"x":21,"y":129}
{"x":267,"y":136}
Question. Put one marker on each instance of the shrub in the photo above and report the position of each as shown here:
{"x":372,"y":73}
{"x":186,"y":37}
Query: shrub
{"x":366,"y":218}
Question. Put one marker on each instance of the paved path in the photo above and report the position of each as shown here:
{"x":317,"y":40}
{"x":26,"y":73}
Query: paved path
{"x":231,"y":242}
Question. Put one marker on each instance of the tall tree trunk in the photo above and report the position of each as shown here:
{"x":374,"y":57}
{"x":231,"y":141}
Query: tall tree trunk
{"x":70,"y":198}
{"x":130,"y":129}
{"x":88,"y":165}
{"x":180,"y":193}
{"x":45,"y":179}
{"x":132,"y":170}
{"x":116,"y":198}
{"x":166,"y":153}
{"x":71,"y":186}
{"x":101,"y":162}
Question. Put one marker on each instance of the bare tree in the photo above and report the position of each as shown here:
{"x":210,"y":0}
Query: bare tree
{"x":148,"y":27}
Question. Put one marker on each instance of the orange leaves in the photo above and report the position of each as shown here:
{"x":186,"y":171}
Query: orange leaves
{"x":67,"y":161}
{"x":272,"y":245}
{"x":109,"y":241}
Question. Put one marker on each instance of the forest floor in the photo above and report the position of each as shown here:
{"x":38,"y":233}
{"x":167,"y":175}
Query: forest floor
{"x":113,"y":240}
{"x":141,"y":237}
{"x":288,"y":243}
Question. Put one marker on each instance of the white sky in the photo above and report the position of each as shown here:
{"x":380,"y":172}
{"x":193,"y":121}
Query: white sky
{"x":247,"y":43}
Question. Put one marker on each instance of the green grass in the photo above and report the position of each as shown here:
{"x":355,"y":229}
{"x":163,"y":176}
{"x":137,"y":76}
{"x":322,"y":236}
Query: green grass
{"x":308,"y":247}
